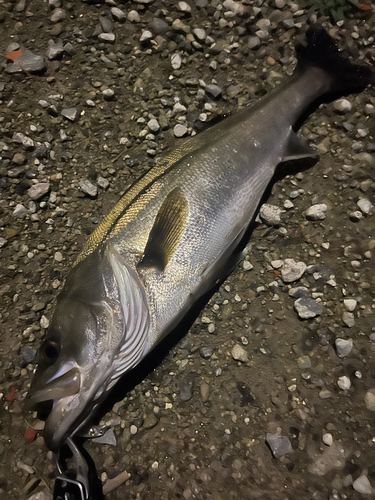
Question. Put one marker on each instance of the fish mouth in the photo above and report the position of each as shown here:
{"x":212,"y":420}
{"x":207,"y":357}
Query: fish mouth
{"x":67,"y":384}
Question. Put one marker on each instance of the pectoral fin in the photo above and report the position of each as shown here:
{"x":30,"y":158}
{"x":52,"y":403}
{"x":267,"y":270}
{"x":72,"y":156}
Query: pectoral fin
{"x":166,"y":231}
{"x":296,"y":150}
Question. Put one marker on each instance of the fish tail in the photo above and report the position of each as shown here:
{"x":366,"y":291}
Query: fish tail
{"x":320,"y":50}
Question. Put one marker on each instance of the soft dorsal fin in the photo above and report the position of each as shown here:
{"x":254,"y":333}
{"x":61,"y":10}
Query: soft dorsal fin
{"x":297,"y":150}
{"x":166,"y":231}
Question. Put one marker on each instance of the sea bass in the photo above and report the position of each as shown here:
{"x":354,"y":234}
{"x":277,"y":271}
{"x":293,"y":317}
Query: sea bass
{"x":172,"y":235}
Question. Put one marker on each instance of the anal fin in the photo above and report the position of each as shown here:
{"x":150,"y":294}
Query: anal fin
{"x":166,"y":232}
{"x":297,"y":150}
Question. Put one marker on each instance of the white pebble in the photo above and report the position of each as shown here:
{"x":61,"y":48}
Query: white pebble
{"x":344,"y":383}
{"x":327,"y":439}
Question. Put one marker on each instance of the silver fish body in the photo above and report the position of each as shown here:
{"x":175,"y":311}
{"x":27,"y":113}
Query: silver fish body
{"x":166,"y":242}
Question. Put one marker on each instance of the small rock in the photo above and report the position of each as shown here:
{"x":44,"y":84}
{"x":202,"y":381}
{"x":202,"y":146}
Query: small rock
{"x":176,"y":61}
{"x":355,"y":216}
{"x":350,"y":304}
{"x":187,"y":387}
{"x":317,"y":212}
{"x":134,"y":17}
{"x":206,"y":352}
{"x":254,"y":42}
{"x":55,"y":50}
{"x":102,"y":182}
{"x":327,"y":439}
{"x":28,"y":354}
{"x":180,"y":130}
{"x":239,"y":354}
{"x":270,"y":214}
{"x":107,"y":37}
{"x":150,"y":421}
{"x":280,"y":445}
{"x":118,"y":14}
{"x":344,"y":383}
{"x":362,"y":485}
{"x":153,"y":126}
{"x":213,"y":90}
{"x":184,"y":7}
{"x":37,"y":191}
{"x":70,"y":113}
{"x":343,"y":347}
{"x":365,"y":206}
{"x":342,"y":105}
{"x":20,"y":211}
{"x":304,"y":362}
{"x":348,"y":319}
{"x":29,"y":62}
{"x":108,"y":94}
{"x":200,"y":34}
{"x":19,"y":159}
{"x":370,"y":399}
{"x":88,"y":188}
{"x":146,"y":36}
{"x":58,"y":15}
{"x":106,"y":24}
{"x":204,"y":390}
{"x":292,"y":270}
{"x":307,"y":308}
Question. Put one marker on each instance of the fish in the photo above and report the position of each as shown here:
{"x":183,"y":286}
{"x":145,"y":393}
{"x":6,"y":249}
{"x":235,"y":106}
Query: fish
{"x":173,"y":235}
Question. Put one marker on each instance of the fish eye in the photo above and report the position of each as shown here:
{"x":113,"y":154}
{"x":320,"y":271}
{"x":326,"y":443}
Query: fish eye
{"x":50,"y":350}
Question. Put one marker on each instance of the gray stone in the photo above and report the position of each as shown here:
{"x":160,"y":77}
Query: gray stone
{"x":176,"y":61}
{"x":146,"y":36}
{"x":370,"y":399}
{"x":280,"y":445}
{"x":29,"y":62}
{"x":88,"y":188}
{"x":187,"y":387}
{"x":28,"y":354}
{"x":343,"y":347}
{"x":106,"y":24}
{"x":292,"y":270}
{"x":134,"y":17}
{"x":107,"y":37}
{"x":102,"y":182}
{"x":58,"y":15}
{"x":362,"y":485}
{"x":307,"y":308}
{"x":153,"y":125}
{"x":348,"y":319}
{"x":180,"y":130}
{"x":350,"y":304}
{"x":270,"y":214}
{"x":239,"y":354}
{"x":206,"y":352}
{"x":317,"y":212}
{"x":118,"y":14}
{"x":355,"y":216}
{"x":254,"y":42}
{"x":200,"y":34}
{"x":3,"y":242}
{"x":344,"y":383}
{"x":213,"y":90}
{"x":70,"y":113}
{"x":55,"y":50}
{"x":365,"y":206}
{"x":20,"y":211}
{"x":342,"y":105}
{"x":158,"y":26}
{"x":108,"y":94}
{"x":37,"y":191}
{"x":184,"y":7}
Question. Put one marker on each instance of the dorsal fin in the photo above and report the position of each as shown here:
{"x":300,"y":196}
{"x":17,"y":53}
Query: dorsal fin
{"x":166,"y":231}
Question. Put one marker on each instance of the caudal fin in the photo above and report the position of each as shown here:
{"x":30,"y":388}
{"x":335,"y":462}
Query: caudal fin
{"x":322,"y":51}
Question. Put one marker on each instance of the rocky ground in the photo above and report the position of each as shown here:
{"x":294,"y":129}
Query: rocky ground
{"x":271,"y":394}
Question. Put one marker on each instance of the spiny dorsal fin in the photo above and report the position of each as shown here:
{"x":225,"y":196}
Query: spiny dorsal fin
{"x":166,"y":231}
{"x":296,"y":150}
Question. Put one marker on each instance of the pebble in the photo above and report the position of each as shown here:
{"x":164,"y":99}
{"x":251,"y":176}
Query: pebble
{"x":365,"y":206}
{"x":55,"y":49}
{"x":106,"y":24}
{"x":88,"y":188}
{"x":180,"y":130}
{"x":37,"y":191}
{"x":70,"y":113}
{"x":108,"y":94}
{"x":350,"y":304}
{"x":184,"y":7}
{"x":187,"y":387}
{"x":29,"y":62}
{"x":107,"y":37}
{"x":206,"y":352}
{"x":239,"y":354}
{"x":348,"y":319}
{"x":102,"y":182}
{"x":307,"y":308}
{"x":176,"y":61}
{"x":355,"y":216}
{"x":327,"y":439}
{"x":153,"y":125}
{"x":344,"y":383}
{"x":342,"y":105}
{"x":205,"y":391}
{"x":28,"y":354}
{"x":343,"y":347}
{"x":370,"y":399}
{"x":19,"y":159}
{"x":150,"y":421}
{"x":254,"y":42}
{"x":58,"y":15}
{"x":280,"y":445}
{"x":317,"y":212}
{"x":146,"y":36}
{"x":292,"y":270}
{"x":134,"y":17}
{"x":20,"y":212}
{"x":362,"y":485}
{"x":200,"y":34}
{"x":213,"y":90}
{"x":270,"y":214}
{"x":118,"y":14}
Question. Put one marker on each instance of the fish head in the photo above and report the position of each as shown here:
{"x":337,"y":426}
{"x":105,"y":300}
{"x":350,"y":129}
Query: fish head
{"x":98,"y":331}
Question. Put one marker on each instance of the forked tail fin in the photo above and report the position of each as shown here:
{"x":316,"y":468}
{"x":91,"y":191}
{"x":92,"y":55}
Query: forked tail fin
{"x":320,"y":50}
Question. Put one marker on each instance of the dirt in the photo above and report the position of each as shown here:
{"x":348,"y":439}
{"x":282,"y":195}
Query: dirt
{"x":212,"y":446}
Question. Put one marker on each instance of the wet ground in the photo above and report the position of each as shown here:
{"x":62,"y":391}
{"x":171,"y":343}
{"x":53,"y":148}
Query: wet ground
{"x":195,"y":425}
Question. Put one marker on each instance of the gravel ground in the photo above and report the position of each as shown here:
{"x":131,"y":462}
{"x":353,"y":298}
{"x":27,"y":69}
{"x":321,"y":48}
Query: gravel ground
{"x":271,"y":394}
